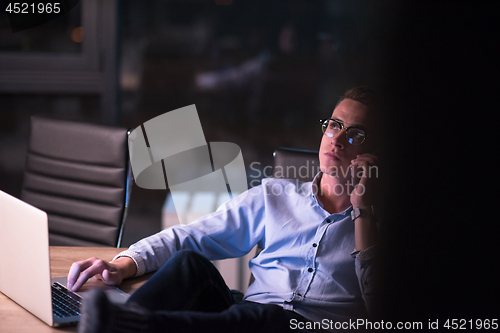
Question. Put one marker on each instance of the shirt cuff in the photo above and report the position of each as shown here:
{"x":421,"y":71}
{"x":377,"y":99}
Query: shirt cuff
{"x":367,"y":254}
{"x":139,"y":262}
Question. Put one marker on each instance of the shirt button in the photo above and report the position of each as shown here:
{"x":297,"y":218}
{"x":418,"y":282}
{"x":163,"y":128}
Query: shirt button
{"x":314,"y":244}
{"x":328,"y":220}
{"x":309,"y":269}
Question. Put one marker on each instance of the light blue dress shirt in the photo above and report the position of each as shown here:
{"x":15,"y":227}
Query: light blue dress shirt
{"x":307,"y":263}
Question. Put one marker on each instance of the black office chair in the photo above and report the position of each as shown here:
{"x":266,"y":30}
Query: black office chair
{"x":80,"y":175}
{"x":295,"y":163}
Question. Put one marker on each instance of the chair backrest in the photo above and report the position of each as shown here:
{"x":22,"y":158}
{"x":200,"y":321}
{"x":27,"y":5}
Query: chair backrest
{"x":79,"y":174}
{"x":295,"y":163}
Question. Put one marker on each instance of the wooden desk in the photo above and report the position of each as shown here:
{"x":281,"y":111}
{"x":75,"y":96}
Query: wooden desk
{"x":14,"y":319}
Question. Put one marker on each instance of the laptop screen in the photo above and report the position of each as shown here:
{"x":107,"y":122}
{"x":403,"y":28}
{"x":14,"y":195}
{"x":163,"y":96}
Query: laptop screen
{"x":25,"y":264}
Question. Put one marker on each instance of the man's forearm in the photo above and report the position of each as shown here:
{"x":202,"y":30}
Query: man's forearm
{"x":126,"y":266}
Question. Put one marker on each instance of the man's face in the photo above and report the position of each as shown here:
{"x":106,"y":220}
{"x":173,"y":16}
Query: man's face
{"x":336,"y":153}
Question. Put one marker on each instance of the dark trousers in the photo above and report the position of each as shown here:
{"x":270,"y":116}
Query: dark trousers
{"x":188,"y":294}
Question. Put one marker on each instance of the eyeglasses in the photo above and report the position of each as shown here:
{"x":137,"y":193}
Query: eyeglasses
{"x":355,"y":135}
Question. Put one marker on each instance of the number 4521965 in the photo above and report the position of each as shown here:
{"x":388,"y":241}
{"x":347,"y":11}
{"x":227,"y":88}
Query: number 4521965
{"x":463,"y":324}
{"x":31,"y":8}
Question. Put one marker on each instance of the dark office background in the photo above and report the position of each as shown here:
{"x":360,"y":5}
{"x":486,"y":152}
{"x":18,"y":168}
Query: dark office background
{"x":261,"y":74}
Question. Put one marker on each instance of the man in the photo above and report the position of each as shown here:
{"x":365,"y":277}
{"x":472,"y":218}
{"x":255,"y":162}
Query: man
{"x":306,"y":273}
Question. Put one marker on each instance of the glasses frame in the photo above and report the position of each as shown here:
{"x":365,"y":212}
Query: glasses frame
{"x":342,"y":126}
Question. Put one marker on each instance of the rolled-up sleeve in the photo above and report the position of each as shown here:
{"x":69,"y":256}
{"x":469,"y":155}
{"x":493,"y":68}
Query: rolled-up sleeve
{"x":367,"y":271}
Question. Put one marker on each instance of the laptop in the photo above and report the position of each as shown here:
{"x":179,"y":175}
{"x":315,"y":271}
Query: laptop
{"x":25,"y":266}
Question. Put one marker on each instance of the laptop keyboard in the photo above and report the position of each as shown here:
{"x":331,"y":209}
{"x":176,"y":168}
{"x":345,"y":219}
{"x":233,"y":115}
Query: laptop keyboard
{"x":65,"y":303}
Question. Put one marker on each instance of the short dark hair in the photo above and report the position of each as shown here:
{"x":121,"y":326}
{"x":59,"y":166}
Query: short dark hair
{"x":361,"y":94}
{"x":368,"y":97}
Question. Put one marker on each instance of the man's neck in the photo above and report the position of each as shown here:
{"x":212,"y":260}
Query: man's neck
{"x":334,"y":193}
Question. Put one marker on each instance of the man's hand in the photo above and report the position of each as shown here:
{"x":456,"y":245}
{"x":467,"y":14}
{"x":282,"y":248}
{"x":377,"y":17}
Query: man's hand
{"x":111,"y":273}
{"x":365,"y":231}
{"x":362,"y":194}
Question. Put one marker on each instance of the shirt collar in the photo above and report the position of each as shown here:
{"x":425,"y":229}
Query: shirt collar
{"x":314,"y":188}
